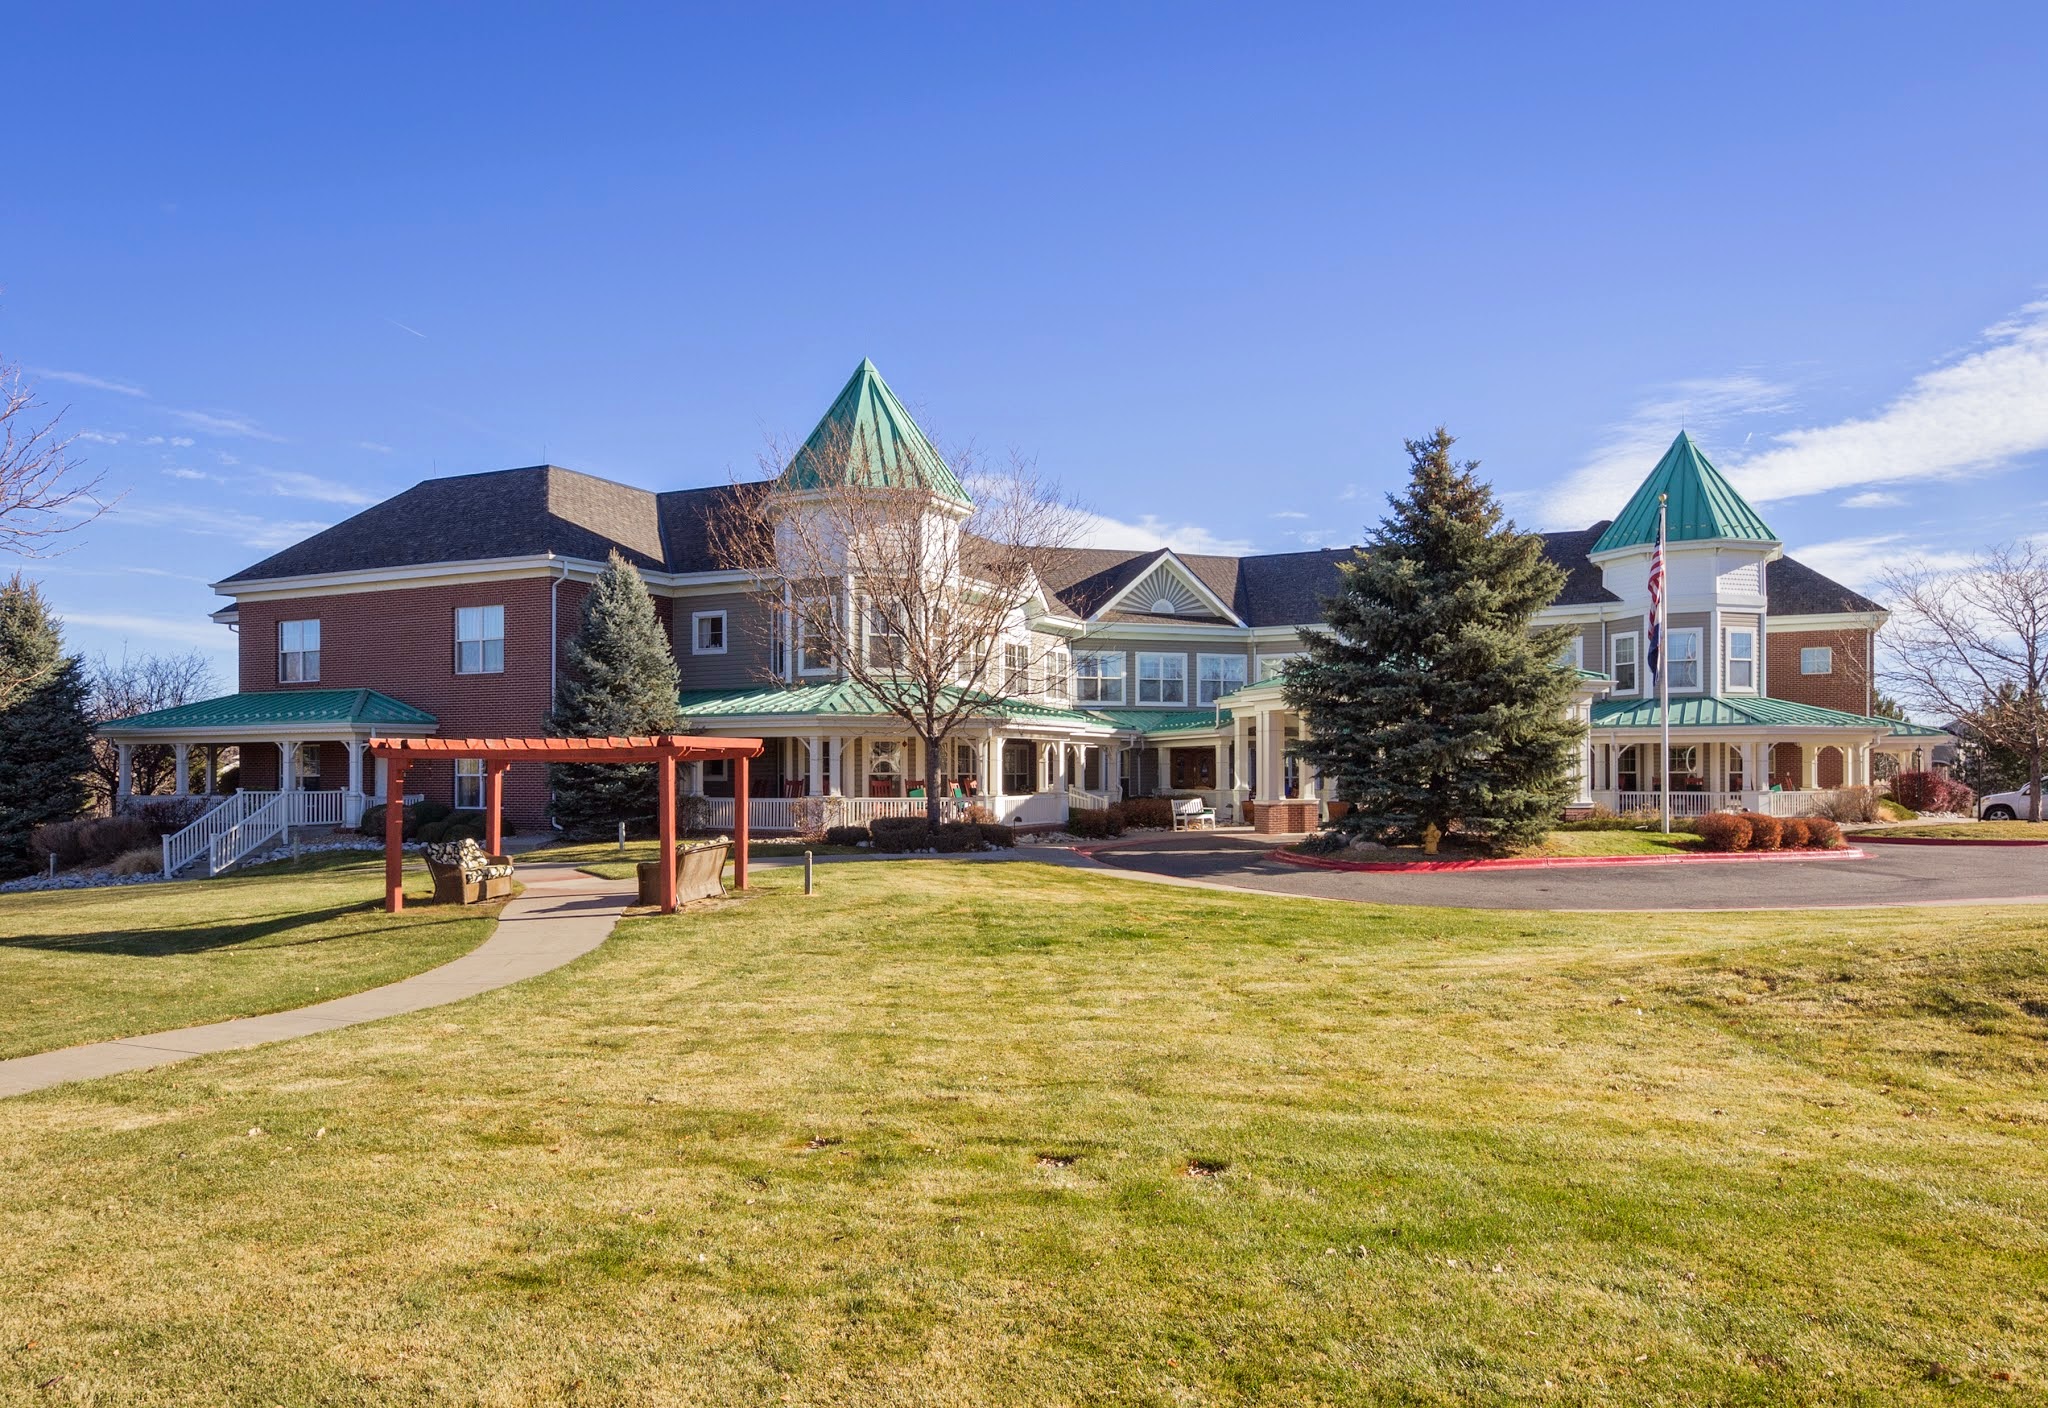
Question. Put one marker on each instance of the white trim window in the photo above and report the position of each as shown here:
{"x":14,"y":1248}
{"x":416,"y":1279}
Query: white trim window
{"x":1016,"y":667}
{"x":1057,"y":665}
{"x":1623,"y":663}
{"x":1816,"y":659}
{"x":1098,"y":677}
{"x":707,"y":633}
{"x":1684,"y":661}
{"x":298,"y":652}
{"x":1216,"y":676}
{"x":1741,"y":666}
{"x":469,"y":784}
{"x":479,"y":640}
{"x":1162,"y":678}
{"x":1272,"y":667}
{"x":814,"y":658}
{"x":1573,"y":656}
{"x":885,"y":640}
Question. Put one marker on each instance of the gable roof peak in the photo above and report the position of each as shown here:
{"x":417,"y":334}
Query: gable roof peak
{"x":1700,"y":505}
{"x":867,"y":435}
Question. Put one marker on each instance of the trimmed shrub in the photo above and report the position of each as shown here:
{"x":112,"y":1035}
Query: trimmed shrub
{"x":1149,"y":811}
{"x":901,"y":833}
{"x":1792,"y":833}
{"x":955,"y":836}
{"x":1933,"y":792}
{"x":418,"y":817}
{"x":148,"y":860}
{"x":998,"y":837}
{"x":1092,"y":824}
{"x":1822,"y":834}
{"x":1723,"y":831}
{"x":846,"y":836}
{"x":978,"y":814}
{"x":1763,"y":832}
{"x":90,"y":840}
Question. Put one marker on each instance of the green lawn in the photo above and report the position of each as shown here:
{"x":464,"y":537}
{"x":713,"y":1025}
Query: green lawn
{"x":961,"y":1134}
{"x":1976,"y":830}
{"x":604,"y":859}
{"x":86,"y":965}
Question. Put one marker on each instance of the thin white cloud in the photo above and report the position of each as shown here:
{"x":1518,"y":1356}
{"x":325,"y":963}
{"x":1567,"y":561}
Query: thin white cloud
{"x":179,"y":472}
{"x":1288,"y":513}
{"x":1859,"y":562}
{"x":1977,"y":413}
{"x":403,"y":328}
{"x":229,"y":424}
{"x":293,"y":484}
{"x":246,"y":528}
{"x":184,"y":630}
{"x":97,"y":383}
{"x":373,"y":447}
{"x":183,"y":442}
{"x":1150,"y":532}
{"x":1873,"y":498}
{"x":101,"y":437}
{"x":1598,"y":488}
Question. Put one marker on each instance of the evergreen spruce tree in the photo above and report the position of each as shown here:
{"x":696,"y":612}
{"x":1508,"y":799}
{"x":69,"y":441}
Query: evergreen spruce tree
{"x":1429,"y":698}
{"x":45,"y":741}
{"x":620,"y":680}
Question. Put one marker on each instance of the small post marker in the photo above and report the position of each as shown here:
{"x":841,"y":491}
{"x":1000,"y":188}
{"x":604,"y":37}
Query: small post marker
{"x":622,"y":838}
{"x":809,"y":878}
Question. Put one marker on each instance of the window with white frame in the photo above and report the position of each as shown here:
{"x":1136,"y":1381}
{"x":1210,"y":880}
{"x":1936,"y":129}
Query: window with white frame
{"x":1162,"y":679}
{"x":1742,"y":660}
{"x":1816,"y":660}
{"x":1272,"y":667}
{"x":707,"y":633}
{"x":1216,"y":676}
{"x":469,"y":784}
{"x":1017,"y":668}
{"x":813,"y":636}
{"x":1057,"y":663}
{"x":1685,"y":659}
{"x":1574,"y":653}
{"x":885,"y":639}
{"x":1099,"y":677}
{"x":1622,"y":663}
{"x":298,"y":652}
{"x":479,"y":640}
{"x":306,"y":767}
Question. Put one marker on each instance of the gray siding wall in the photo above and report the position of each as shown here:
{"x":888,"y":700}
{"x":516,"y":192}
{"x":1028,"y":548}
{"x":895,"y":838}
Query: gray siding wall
{"x":1231,"y":642}
{"x":745,"y":661}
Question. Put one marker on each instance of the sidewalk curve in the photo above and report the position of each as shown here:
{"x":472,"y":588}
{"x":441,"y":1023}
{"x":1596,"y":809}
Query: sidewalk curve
{"x":562,"y":915}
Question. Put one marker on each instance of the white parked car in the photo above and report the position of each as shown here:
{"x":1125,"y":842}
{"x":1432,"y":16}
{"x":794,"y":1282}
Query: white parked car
{"x":2007,"y":806}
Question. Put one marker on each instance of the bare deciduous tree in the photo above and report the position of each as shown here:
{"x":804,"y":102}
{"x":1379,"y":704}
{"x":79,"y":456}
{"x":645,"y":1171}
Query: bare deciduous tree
{"x":1972,"y":645}
{"x":135,"y":685}
{"x":41,"y":494}
{"x":922,"y":600}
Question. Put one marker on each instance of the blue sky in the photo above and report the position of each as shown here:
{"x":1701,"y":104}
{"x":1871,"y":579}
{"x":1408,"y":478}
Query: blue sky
{"x":1208,"y":265}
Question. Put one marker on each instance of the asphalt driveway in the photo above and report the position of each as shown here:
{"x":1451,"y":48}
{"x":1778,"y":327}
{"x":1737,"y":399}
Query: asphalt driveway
{"x":1894,"y":875}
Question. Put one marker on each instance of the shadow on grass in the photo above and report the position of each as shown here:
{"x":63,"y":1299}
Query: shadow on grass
{"x":174,"y":939}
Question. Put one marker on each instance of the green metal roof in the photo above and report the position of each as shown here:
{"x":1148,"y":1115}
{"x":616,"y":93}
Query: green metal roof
{"x":1156,"y":721}
{"x":841,"y":698}
{"x":867,"y":435}
{"x":1705,"y":711}
{"x":269,"y":708}
{"x":1902,"y":729}
{"x":1594,"y":676}
{"x":1700,"y":505}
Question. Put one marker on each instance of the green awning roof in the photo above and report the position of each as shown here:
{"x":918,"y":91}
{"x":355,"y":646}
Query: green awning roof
{"x":842,"y":698}
{"x":276,"y":708}
{"x":1158,"y":721}
{"x":1708,"y":712}
{"x":868,"y":437}
{"x":1700,"y":505}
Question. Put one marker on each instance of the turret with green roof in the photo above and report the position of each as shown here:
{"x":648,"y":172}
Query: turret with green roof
{"x":867,"y":437}
{"x":1701,"y":505}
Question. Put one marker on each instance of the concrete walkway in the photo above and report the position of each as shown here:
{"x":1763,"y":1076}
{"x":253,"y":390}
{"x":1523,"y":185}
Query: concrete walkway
{"x":562,"y":915}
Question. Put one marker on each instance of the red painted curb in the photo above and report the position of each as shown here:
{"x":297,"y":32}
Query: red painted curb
{"x":1942,"y":841}
{"x":1561,"y":862}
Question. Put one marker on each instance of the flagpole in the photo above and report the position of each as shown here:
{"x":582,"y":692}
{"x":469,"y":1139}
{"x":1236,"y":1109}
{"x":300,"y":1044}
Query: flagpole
{"x":1664,"y":675}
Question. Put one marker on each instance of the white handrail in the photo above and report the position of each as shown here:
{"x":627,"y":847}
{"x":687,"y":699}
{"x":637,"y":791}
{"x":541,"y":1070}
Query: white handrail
{"x":181,"y":848}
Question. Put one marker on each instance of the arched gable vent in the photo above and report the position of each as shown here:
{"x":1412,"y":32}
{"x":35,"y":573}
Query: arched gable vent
{"x":1166,"y":593}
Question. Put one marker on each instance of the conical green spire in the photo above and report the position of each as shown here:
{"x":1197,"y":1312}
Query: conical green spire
{"x":868,"y":436}
{"x":1700,"y":505}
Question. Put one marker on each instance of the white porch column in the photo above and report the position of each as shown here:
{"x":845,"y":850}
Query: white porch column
{"x":1809,"y":765}
{"x":287,"y":761}
{"x":355,"y":766}
{"x":812,"y":782}
{"x":124,"y":770}
{"x":182,"y":784}
{"x":1272,"y":750}
{"x":212,"y":767}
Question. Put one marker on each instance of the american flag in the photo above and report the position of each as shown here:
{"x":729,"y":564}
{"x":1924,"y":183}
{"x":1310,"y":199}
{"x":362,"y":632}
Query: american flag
{"x":1656,"y":630}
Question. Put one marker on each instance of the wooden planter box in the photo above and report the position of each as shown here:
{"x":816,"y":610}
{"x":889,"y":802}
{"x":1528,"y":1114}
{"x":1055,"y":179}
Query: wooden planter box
{"x":700,"y":873}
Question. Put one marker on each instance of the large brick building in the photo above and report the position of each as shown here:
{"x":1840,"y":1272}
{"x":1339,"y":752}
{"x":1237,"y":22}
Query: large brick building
{"x":443,"y":610}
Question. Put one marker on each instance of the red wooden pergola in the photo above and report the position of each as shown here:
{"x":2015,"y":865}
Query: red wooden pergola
{"x":664,"y":750}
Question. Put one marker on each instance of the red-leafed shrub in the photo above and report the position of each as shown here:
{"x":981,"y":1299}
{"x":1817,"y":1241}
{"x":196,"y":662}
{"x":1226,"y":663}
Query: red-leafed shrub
{"x":1822,"y":834}
{"x":1792,"y":834}
{"x":1763,"y":832}
{"x":1933,"y":792}
{"x":1723,"y":831}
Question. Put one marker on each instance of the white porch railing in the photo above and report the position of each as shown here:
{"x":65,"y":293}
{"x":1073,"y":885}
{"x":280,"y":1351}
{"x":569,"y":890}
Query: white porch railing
{"x":274,"y":814}
{"x":770,"y":815}
{"x":1080,"y":801}
{"x":1686,"y":804}
{"x":181,"y":848}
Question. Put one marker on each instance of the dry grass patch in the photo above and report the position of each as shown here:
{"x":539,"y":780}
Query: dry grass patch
{"x":1451,"y":1157}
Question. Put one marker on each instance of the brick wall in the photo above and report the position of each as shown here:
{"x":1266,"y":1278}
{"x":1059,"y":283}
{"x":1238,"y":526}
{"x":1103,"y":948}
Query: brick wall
{"x":1846,"y":688}
{"x":402,"y":642}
